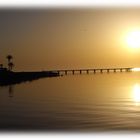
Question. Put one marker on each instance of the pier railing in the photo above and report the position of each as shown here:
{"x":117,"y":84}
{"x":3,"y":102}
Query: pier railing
{"x":87,"y":71}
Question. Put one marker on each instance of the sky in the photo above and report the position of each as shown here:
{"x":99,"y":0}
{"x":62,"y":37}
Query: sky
{"x":68,"y":38}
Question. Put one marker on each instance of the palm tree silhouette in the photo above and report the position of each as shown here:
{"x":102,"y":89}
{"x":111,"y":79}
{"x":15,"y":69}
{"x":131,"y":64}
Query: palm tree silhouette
{"x":9,"y":58}
{"x":11,"y":65}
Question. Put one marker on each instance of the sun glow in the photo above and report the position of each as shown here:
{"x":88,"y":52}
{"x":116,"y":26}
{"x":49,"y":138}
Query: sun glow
{"x":136,"y":69}
{"x":133,"y":39}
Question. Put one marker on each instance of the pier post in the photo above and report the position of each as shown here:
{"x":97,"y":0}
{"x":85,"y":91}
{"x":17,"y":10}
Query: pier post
{"x":66,"y":72}
{"x":101,"y":71}
{"x":73,"y":72}
{"x":114,"y":70}
{"x":120,"y":70}
{"x":94,"y":71}
{"x":58,"y":72}
{"x":80,"y":71}
{"x":87,"y":71}
{"x":128,"y":69}
{"x":107,"y":70}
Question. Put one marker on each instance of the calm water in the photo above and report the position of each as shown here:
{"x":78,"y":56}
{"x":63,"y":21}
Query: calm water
{"x":94,"y":102}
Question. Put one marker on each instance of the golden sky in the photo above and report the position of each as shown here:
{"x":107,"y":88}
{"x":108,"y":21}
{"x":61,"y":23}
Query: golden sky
{"x":42,"y":39}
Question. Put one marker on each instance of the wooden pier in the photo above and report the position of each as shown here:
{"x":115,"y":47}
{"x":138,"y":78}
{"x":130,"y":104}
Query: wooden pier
{"x":90,"y":71}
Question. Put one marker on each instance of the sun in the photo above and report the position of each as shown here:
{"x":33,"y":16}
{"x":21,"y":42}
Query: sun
{"x":133,"y":39}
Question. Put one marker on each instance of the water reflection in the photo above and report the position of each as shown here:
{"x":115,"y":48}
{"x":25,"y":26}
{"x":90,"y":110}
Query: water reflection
{"x":136,"y":94}
{"x":79,"y":102}
{"x":11,"y":91}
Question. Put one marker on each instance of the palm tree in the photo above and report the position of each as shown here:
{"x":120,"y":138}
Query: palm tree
{"x":11,"y":65}
{"x":9,"y":58}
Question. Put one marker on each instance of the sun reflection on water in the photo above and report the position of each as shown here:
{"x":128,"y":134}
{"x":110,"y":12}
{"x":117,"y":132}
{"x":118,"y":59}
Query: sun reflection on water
{"x":136,"y":94}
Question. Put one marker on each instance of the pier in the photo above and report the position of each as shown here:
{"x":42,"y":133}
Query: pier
{"x":90,"y":71}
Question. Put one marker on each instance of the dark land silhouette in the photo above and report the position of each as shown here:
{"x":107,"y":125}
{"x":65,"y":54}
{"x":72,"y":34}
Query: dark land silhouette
{"x":9,"y":77}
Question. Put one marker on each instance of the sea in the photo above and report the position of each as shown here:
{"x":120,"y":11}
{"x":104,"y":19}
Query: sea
{"x":73,"y":103}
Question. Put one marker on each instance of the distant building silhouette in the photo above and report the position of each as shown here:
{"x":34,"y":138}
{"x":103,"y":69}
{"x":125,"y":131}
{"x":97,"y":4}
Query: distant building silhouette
{"x":2,"y":69}
{"x":1,"y":65}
